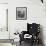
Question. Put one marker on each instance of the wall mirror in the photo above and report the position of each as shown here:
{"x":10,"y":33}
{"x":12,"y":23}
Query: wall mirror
{"x":3,"y":16}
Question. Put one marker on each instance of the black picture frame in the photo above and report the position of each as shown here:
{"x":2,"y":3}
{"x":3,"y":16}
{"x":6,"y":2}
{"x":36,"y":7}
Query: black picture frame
{"x":21,"y":13}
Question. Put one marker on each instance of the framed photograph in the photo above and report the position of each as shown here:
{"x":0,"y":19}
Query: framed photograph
{"x":21,"y":13}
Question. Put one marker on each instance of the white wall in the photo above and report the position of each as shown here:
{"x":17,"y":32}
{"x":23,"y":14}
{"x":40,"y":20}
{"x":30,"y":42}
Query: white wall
{"x":35,"y":13}
{"x":3,"y":1}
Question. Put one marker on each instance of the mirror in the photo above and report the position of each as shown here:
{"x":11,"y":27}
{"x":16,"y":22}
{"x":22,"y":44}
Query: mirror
{"x":3,"y":17}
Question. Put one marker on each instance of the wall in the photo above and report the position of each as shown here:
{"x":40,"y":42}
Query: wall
{"x":35,"y":13}
{"x":3,"y":1}
{"x":19,"y":24}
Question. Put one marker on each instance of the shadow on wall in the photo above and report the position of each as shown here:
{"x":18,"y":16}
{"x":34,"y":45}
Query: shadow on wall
{"x":41,"y":34}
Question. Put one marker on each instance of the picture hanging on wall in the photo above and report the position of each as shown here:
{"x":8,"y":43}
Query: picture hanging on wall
{"x":21,"y":13}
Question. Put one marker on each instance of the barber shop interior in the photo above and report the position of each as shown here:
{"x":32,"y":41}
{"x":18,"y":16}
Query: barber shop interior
{"x":22,"y":22}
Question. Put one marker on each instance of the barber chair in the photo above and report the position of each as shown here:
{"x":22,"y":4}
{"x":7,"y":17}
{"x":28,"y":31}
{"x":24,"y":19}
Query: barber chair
{"x":33,"y":30}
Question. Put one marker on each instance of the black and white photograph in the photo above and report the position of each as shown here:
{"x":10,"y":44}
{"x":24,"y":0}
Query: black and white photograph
{"x":21,"y":13}
{"x":22,"y":22}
